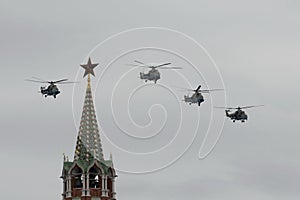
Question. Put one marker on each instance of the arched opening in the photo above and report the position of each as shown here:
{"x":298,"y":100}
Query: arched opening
{"x":95,"y":177}
{"x":76,"y":181}
{"x":95,"y":181}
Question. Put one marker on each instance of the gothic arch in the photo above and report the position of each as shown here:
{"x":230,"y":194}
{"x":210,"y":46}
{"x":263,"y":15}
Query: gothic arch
{"x":76,"y":174}
{"x":98,"y":166}
{"x":95,"y":174}
{"x":112,"y":172}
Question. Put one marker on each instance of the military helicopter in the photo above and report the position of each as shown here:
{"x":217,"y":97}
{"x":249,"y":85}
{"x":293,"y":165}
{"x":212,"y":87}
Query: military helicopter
{"x":52,"y":89}
{"x":239,"y":114}
{"x":153,"y":74}
{"x":197,"y":97}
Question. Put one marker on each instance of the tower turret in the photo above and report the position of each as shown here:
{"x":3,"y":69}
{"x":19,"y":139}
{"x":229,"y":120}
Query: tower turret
{"x":89,"y":176}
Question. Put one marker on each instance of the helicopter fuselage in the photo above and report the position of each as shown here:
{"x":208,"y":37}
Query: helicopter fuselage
{"x":195,"y":98}
{"x":152,"y":75}
{"x":51,"y":90}
{"x":238,"y":115}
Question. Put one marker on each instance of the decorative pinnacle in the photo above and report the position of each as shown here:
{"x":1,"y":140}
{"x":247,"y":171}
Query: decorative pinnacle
{"x":89,"y":68}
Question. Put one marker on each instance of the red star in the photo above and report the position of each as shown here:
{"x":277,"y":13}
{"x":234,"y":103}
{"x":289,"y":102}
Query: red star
{"x":89,"y":68}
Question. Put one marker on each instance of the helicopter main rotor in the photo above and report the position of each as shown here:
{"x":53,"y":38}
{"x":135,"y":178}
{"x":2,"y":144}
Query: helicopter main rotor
{"x":197,"y":90}
{"x":160,"y":66}
{"x":38,"y":80}
{"x":239,"y":108}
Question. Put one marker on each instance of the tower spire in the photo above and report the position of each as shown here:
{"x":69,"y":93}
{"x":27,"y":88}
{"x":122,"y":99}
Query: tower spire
{"x":88,"y":145}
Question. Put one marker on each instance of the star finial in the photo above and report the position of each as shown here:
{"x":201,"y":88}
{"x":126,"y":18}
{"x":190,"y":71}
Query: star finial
{"x":89,"y":68}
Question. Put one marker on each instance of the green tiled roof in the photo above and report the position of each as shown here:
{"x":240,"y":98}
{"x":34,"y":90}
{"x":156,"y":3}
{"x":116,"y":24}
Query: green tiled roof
{"x":105,"y":164}
{"x":67,"y":165}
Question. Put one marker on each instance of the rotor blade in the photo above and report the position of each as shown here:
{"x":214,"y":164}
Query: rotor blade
{"x":181,"y":88}
{"x":224,"y":107}
{"x":162,"y":65}
{"x":36,"y":81}
{"x":210,"y":90}
{"x":68,"y":82}
{"x":134,"y":65}
{"x":197,"y":88}
{"x":245,"y":107}
{"x":141,"y":63}
{"x":202,"y":91}
{"x":38,"y":78}
{"x":170,"y":68}
{"x":59,"y":81}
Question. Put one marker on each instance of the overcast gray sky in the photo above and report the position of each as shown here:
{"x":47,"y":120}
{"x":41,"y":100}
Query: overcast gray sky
{"x":254,"y":44}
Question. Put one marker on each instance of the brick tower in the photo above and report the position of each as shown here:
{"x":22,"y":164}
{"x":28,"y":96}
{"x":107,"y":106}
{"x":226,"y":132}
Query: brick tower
{"x":88,"y":176}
